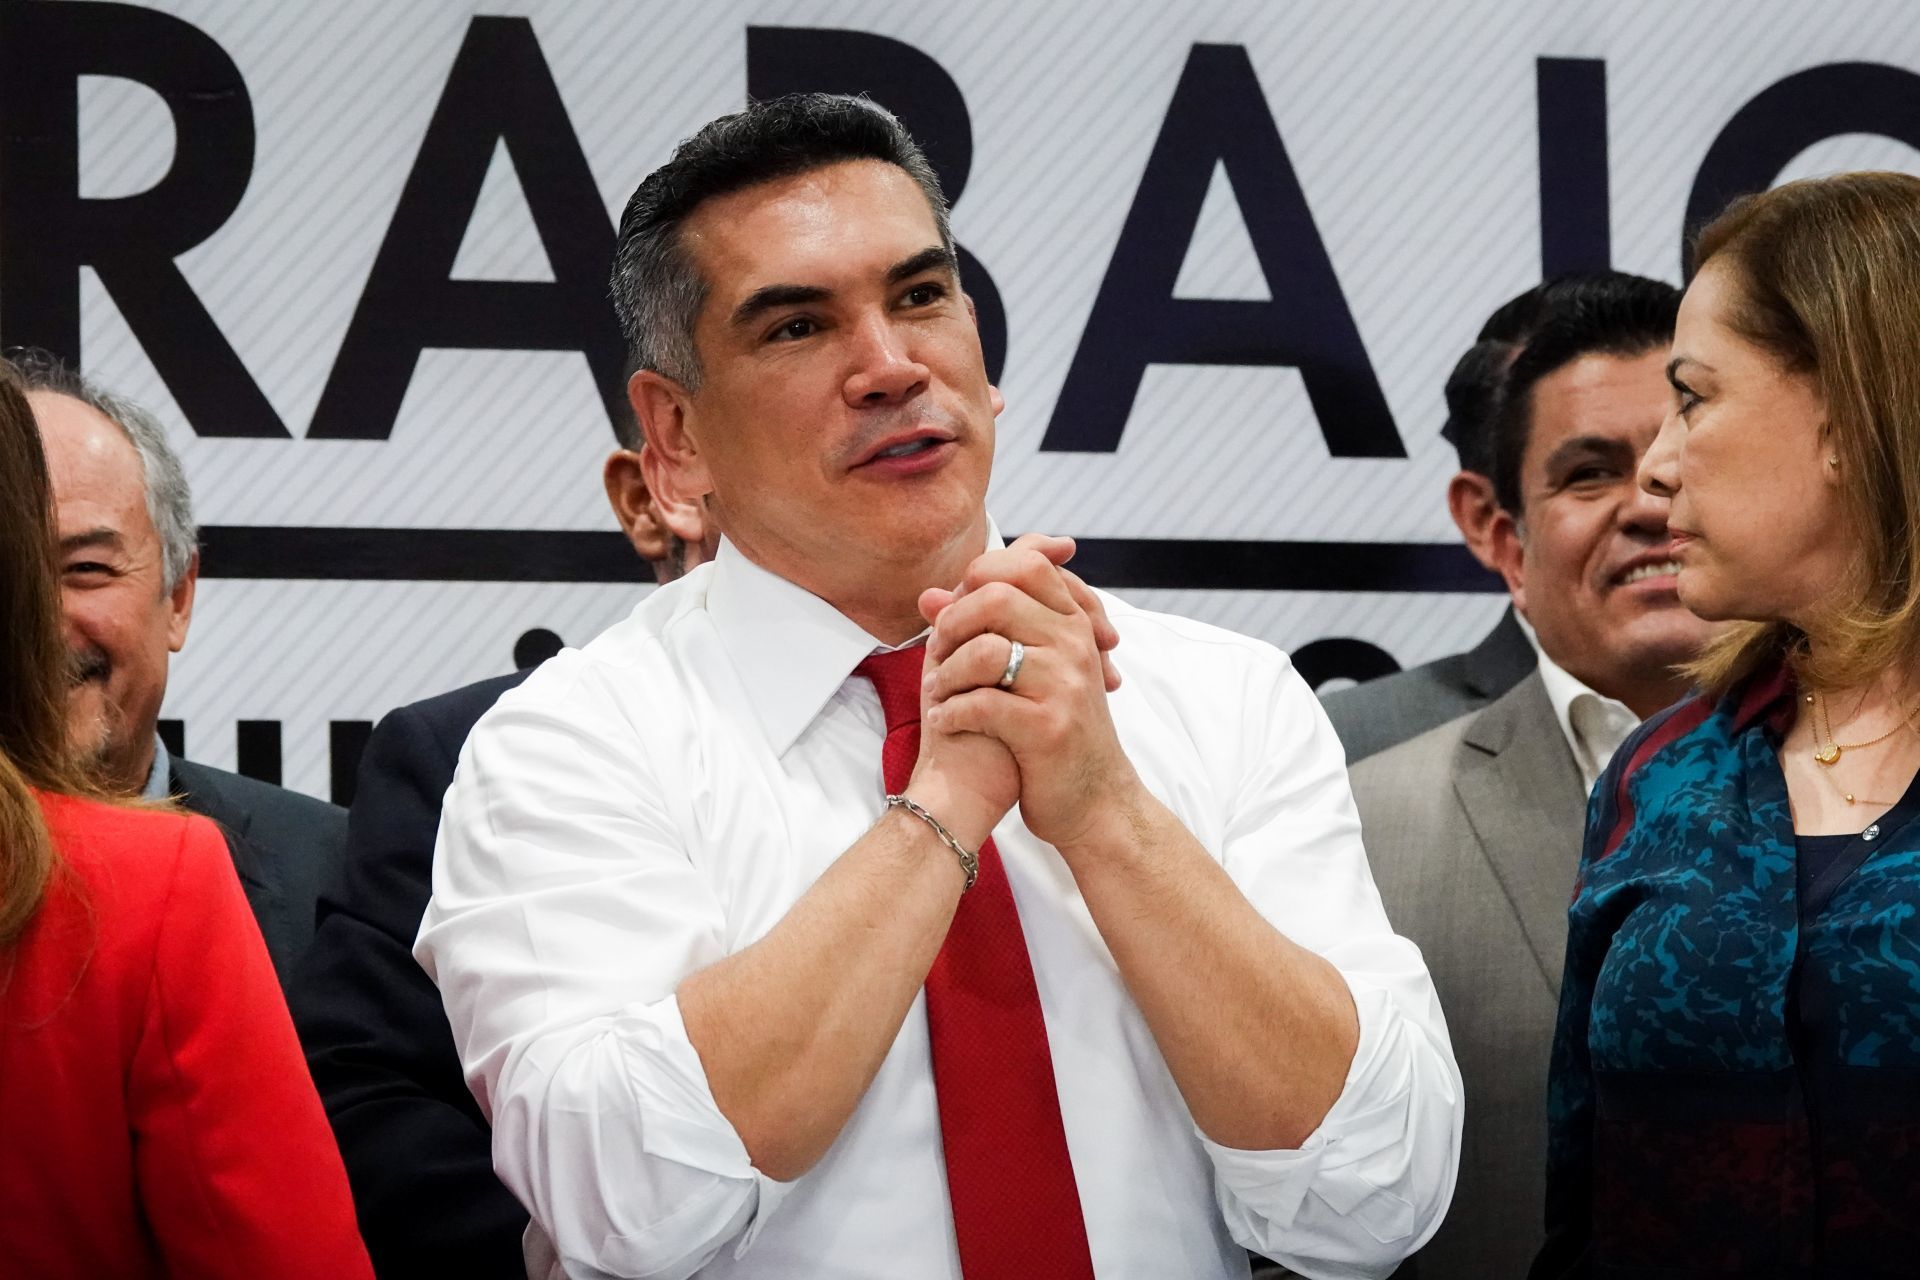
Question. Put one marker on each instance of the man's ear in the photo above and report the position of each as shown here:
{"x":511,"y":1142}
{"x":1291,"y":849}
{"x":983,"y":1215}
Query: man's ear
{"x":180,"y":605}
{"x":688,"y":519}
{"x":1471,"y":503}
{"x":1508,"y":552}
{"x":998,"y":401}
{"x":664,"y":409}
{"x":632,"y":502}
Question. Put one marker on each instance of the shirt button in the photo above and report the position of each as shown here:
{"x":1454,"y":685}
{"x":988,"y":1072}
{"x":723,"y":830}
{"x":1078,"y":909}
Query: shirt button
{"x":1871,"y":833}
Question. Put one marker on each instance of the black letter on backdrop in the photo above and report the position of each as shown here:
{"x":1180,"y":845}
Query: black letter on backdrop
{"x":50,"y":232}
{"x":1219,"y":114}
{"x":499,"y":89}
{"x":346,"y":744}
{"x":256,"y":745}
{"x":1336,"y":657}
{"x":1788,"y":117}
{"x":913,"y":86}
{"x":1575,"y":206}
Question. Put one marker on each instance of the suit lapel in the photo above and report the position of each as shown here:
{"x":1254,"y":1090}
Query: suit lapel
{"x":1501,"y":660}
{"x":201,"y":794}
{"x":1520,"y":789}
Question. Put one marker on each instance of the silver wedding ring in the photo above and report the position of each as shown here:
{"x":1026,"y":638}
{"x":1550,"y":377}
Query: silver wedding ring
{"x":1015,"y":661}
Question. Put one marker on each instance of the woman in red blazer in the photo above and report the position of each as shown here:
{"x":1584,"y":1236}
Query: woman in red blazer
{"x":156,"y":1117}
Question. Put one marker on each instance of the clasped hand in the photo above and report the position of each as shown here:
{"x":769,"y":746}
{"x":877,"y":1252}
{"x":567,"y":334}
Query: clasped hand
{"x":1048,"y":741}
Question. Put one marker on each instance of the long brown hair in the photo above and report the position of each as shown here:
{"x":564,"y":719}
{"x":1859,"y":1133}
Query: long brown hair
{"x":1826,"y":273}
{"x":33,"y":667}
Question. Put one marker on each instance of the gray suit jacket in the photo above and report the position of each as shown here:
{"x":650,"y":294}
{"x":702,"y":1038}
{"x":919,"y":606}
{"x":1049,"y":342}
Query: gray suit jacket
{"x":1382,"y":713}
{"x":1473,"y":832}
{"x":284,"y":846}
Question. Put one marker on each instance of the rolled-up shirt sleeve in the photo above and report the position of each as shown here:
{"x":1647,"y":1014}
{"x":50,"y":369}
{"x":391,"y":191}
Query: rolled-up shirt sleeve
{"x":565,"y":913}
{"x":1372,"y":1183}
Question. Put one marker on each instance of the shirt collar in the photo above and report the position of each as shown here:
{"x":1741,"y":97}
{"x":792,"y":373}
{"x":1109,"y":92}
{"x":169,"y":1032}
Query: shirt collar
{"x":1595,"y":736}
{"x":160,"y":776}
{"x":791,"y":649}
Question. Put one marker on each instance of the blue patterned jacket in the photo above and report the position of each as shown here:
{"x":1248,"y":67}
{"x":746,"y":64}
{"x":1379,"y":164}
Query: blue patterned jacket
{"x":1736,"y":1072}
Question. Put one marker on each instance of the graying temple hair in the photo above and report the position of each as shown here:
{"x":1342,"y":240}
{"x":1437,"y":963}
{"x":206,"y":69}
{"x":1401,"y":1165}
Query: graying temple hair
{"x":657,"y":290}
{"x":169,"y":501}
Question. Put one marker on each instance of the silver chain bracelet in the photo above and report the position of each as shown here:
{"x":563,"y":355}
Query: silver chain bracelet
{"x":969,"y":862}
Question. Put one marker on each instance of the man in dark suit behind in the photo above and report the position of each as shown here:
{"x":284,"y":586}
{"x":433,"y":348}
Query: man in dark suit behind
{"x":284,"y":845}
{"x":1374,"y":716}
{"x":129,"y":565}
{"x":415,"y":1144}
{"x":417,"y":1149}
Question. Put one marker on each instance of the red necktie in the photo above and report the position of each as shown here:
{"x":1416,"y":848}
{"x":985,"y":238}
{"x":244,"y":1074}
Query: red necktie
{"x":1016,"y":1209}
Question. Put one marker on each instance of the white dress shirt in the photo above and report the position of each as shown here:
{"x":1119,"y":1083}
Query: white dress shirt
{"x":658,"y":800}
{"x":1594,"y":725}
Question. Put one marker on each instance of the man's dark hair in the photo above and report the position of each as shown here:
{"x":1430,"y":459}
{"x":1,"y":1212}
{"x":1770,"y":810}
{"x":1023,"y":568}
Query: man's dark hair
{"x":657,"y":290}
{"x":626,"y":424}
{"x":1515,"y":320}
{"x":1475,"y":385}
{"x":1608,"y":313}
{"x":1473,"y":402}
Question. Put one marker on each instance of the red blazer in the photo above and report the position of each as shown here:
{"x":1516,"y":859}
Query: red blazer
{"x":156,"y":1117}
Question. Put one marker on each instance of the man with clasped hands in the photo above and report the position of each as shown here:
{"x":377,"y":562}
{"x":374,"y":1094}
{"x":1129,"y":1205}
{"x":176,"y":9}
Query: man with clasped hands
{"x":838,"y":913}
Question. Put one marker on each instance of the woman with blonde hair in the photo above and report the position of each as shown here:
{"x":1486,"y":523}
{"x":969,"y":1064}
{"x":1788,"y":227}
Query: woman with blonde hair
{"x":1736,"y":1074}
{"x":156,"y":1118}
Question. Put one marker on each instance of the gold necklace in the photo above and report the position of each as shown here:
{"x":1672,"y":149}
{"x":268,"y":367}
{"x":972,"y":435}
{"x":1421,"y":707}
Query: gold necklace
{"x":1829,"y":755}
{"x":1848,"y":796}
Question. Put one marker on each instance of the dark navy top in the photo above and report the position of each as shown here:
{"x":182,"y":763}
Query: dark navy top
{"x":1736,"y":1073}
{"x":1818,"y":859}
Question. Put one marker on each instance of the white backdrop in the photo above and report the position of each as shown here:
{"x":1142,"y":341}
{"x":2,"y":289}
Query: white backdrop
{"x":1412,"y":128}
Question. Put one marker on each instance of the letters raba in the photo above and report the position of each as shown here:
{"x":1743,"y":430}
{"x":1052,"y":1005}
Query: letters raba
{"x":501,"y":92}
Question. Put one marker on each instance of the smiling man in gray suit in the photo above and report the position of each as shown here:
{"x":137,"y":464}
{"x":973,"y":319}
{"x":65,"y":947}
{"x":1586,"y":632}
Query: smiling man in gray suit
{"x":1381,"y":713}
{"x":1473,"y":828}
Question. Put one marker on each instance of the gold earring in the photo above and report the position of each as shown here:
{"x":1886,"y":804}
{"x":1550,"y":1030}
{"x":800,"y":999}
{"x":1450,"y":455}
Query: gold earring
{"x":1833,"y":460}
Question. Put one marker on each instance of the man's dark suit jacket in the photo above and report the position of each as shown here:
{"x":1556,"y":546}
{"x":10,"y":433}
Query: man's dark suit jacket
{"x":418,"y":1152}
{"x":284,"y":845}
{"x":1383,"y":713}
